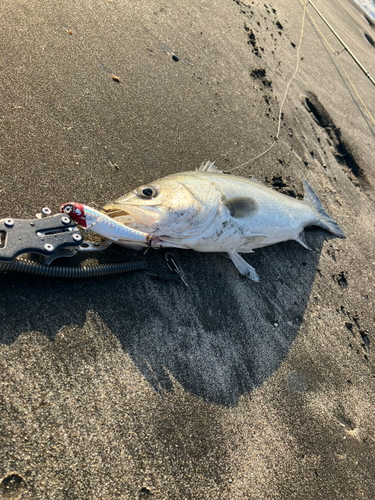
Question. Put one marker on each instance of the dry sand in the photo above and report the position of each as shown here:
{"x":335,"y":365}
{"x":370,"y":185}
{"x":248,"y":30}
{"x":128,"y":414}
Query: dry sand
{"x":128,"y":388}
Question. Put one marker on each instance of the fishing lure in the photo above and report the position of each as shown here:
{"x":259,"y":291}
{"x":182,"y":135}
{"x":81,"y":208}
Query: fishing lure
{"x":105,"y":226}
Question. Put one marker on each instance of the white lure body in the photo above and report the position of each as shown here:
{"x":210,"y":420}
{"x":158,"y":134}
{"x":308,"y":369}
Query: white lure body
{"x":105,"y":226}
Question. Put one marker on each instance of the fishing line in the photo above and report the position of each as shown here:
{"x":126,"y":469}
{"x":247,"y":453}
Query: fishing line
{"x":345,"y":48}
{"x":284,"y":98}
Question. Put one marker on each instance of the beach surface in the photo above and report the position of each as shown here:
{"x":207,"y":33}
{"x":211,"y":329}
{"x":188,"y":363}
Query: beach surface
{"x":129,"y":388}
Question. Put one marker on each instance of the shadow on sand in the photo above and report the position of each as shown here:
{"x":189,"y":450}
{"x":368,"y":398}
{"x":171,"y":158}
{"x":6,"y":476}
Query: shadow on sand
{"x":219,"y":338}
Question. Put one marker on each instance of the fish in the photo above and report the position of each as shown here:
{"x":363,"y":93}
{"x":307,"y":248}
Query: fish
{"x":105,"y":226}
{"x":207,"y":210}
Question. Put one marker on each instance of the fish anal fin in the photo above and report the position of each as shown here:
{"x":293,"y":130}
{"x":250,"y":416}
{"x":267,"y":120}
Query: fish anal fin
{"x":209,"y":166}
{"x":243,"y":267}
{"x":302,"y":240}
{"x":242,"y":207}
{"x":251,"y":242}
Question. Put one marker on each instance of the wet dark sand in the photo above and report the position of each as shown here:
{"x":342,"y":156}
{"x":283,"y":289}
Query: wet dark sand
{"x":124,"y":387}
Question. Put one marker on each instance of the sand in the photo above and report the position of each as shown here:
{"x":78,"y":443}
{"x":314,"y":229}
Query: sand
{"x":129,"y":388}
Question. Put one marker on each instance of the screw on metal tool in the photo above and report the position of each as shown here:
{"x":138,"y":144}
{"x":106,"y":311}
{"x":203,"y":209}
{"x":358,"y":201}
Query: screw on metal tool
{"x":9,"y":222}
{"x":65,"y":220}
{"x":47,"y":237}
{"x":46,"y":212}
{"x":77,"y":237}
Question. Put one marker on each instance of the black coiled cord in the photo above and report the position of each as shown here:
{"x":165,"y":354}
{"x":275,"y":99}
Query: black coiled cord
{"x":30,"y":267}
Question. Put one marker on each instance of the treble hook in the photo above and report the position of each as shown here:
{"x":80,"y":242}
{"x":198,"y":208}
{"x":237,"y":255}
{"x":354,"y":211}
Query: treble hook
{"x":175,"y":267}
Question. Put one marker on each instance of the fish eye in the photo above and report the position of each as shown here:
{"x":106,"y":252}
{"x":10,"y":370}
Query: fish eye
{"x":148,"y":192}
{"x":68,"y":209}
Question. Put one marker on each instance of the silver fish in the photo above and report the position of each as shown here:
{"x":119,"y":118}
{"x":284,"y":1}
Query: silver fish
{"x":209,"y":211}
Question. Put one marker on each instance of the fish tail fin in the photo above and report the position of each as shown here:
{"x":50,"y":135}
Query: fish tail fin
{"x":326,"y":221}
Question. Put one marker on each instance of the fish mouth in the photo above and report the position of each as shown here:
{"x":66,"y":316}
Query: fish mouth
{"x":146,"y":215}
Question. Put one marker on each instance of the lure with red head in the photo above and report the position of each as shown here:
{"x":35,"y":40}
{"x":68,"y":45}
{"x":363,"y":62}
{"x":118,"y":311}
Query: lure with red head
{"x":76,"y":211}
{"x":105,"y":226}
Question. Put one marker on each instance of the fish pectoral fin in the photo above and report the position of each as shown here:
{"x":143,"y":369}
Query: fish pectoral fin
{"x":243,"y":267}
{"x":242,"y":207}
{"x":302,"y":240}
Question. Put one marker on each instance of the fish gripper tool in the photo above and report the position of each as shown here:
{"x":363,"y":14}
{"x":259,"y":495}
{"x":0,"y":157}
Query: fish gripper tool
{"x":49,"y":236}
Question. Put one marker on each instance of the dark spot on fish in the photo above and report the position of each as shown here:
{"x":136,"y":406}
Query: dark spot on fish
{"x":175,"y":58}
{"x":241,"y":207}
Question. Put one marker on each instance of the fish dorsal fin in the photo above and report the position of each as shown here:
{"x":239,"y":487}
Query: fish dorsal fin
{"x":241,"y":207}
{"x":209,"y":166}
